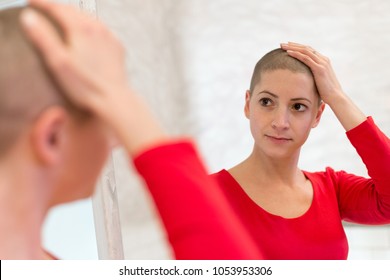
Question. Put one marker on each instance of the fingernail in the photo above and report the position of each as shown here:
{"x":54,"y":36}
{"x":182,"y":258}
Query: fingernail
{"x":283,"y":45}
{"x":29,"y":17}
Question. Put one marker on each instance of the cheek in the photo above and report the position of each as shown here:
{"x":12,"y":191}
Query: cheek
{"x":303,"y":125}
{"x":89,"y":162}
{"x":96,"y":154}
{"x":85,"y":152}
{"x":258,"y":122}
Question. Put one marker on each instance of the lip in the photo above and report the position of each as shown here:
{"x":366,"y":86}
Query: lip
{"x":278,"y":139}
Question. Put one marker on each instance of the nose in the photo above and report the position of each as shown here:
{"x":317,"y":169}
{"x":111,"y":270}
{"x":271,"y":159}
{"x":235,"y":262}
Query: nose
{"x":281,"y":120}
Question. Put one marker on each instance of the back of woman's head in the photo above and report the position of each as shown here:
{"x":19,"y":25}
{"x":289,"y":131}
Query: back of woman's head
{"x":26,"y":87}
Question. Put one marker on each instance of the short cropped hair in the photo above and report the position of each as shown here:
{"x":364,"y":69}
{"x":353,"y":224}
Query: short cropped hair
{"x":26,"y":86}
{"x":275,"y":60}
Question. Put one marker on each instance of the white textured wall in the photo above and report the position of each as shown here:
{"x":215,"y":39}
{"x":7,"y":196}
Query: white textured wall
{"x":192,"y":60}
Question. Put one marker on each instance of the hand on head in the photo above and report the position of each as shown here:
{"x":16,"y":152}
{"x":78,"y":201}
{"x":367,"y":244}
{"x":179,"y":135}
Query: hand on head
{"x":326,"y":81}
{"x":89,"y":65}
{"x":327,"y":84}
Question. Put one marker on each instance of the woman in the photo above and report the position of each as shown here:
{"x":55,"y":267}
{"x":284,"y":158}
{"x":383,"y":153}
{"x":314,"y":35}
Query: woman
{"x":294,"y":214}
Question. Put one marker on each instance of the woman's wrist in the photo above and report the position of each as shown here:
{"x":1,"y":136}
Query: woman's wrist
{"x":346,"y":111}
{"x":133,"y":122}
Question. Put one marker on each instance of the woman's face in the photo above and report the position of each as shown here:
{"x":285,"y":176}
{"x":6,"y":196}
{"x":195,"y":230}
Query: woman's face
{"x":282,"y":109}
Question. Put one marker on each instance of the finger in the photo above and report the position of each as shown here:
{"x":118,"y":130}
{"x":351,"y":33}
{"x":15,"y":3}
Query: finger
{"x":301,"y":47}
{"x":36,"y":1}
{"x":306,"y":59}
{"x":66,"y":16}
{"x":306,"y":50}
{"x":297,"y":47}
{"x":43,"y":35}
{"x":292,"y":45}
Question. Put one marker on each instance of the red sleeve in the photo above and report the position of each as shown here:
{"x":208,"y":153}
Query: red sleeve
{"x":365,"y":200}
{"x":198,"y":220}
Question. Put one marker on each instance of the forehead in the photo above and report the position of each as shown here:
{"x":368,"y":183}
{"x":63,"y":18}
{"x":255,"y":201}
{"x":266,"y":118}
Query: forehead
{"x":285,"y":82}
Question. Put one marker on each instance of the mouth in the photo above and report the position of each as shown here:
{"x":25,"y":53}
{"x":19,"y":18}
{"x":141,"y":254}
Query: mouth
{"x":278,"y":139}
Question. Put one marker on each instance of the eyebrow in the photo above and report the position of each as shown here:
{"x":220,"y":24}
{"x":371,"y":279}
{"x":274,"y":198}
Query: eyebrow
{"x":276,"y":96}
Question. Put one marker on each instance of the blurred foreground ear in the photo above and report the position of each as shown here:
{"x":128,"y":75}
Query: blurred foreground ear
{"x":48,"y":135}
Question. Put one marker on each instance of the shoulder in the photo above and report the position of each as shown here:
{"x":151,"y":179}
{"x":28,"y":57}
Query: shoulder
{"x":331,"y":179}
{"x":226,"y":182}
{"x":328,"y":172}
{"x":328,"y":177}
{"x":221,"y":176}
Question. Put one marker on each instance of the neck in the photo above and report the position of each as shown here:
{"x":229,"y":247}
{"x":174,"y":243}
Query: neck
{"x":267,"y":170}
{"x":22,"y":212}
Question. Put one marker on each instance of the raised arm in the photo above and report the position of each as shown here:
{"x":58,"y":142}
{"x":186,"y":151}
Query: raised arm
{"x":361,"y":200}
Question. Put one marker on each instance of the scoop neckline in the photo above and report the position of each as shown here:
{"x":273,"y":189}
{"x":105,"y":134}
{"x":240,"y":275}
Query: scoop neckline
{"x":255,"y":205}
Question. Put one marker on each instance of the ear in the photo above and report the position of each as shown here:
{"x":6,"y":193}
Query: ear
{"x":48,"y":133}
{"x":247,"y":101}
{"x":321,"y":109}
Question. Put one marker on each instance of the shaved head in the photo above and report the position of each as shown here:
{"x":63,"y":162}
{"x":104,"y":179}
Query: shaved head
{"x":276,"y":60}
{"x":26,"y":87}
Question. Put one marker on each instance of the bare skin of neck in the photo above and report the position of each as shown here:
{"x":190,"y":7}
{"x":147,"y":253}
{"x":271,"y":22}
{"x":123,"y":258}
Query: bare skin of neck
{"x":22,"y":212}
{"x":276,"y":185}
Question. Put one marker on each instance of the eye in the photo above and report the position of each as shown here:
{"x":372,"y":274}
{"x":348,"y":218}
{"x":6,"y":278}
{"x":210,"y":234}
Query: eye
{"x":299,"y":107}
{"x":266,"y":102}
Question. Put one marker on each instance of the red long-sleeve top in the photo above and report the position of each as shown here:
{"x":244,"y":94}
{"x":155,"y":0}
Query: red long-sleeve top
{"x":199,"y":222}
{"x":318,"y":233}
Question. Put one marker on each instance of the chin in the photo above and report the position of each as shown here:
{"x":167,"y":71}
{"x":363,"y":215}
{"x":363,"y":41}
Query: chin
{"x":279,"y":154}
{"x":88,"y":192}
{"x":83,"y":193}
